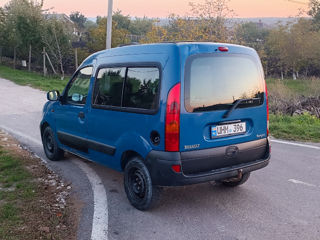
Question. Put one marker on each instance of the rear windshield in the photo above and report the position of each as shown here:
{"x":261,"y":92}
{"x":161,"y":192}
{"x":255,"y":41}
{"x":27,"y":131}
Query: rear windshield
{"x":215,"y":82}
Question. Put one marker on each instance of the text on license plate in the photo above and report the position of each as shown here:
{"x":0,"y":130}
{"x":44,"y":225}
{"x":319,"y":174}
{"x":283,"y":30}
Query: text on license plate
{"x":228,"y":129}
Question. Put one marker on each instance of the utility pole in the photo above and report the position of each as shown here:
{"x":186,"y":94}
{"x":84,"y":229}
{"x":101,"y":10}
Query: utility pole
{"x":76,"y":57}
{"x":109,"y":24}
{"x":44,"y":62}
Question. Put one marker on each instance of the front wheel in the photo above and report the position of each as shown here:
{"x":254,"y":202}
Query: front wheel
{"x":138,"y":185}
{"x":237,"y":182}
{"x":50,"y":145}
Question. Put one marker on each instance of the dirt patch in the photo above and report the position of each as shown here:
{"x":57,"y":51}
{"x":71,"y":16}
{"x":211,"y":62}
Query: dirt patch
{"x":52,"y":211}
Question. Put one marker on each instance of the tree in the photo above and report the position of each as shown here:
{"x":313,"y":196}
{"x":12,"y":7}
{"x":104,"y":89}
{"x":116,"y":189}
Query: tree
{"x":79,"y":19}
{"x":314,"y":12}
{"x":303,"y":46}
{"x":57,"y":40}
{"x":2,"y":26}
{"x":250,"y":33}
{"x":276,"y":47}
{"x":156,"y":34}
{"x":2,"y":32}
{"x":213,"y":16}
{"x":293,"y":48}
{"x":23,"y":25}
{"x":122,"y":21}
{"x":140,"y":26}
{"x":253,"y":35}
{"x":207,"y":23}
{"x":97,"y":40}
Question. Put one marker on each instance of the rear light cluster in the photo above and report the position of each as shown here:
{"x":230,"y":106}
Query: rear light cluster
{"x":223,"y":49}
{"x":172,"y":124}
{"x":267,"y":109}
{"x":176,"y":168}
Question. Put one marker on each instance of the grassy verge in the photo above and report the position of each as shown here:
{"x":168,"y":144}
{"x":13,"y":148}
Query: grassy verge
{"x":298,"y":128}
{"x":289,"y":88}
{"x":29,"y":208}
{"x":16,"y":188}
{"x":32,"y":79}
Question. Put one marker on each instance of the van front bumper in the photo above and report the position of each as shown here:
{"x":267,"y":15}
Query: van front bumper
{"x":160,"y":165}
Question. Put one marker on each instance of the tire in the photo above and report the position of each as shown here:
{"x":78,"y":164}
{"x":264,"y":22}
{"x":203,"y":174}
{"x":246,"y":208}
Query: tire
{"x":230,"y":183}
{"x":50,"y":145}
{"x":138,"y":185}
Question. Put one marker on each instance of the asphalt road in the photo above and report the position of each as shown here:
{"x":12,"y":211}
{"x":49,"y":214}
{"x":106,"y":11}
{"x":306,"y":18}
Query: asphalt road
{"x":281,"y":201}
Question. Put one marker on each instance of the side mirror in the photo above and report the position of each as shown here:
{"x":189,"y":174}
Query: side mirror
{"x":53,"y":95}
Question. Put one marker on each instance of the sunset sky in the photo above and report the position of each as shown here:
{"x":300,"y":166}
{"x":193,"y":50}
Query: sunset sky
{"x":162,"y":8}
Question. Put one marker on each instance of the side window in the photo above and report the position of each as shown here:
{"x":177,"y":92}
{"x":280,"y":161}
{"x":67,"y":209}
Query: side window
{"x":108,"y":86}
{"x":79,"y":87}
{"x":141,"y":88}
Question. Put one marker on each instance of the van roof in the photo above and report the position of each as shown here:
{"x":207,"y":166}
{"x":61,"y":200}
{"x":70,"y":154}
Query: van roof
{"x":156,"y":48}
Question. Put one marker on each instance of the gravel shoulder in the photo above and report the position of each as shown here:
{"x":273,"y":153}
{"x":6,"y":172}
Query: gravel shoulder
{"x":34,"y":202}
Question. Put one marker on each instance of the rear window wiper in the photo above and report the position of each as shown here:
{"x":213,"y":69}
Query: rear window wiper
{"x":237,"y":103}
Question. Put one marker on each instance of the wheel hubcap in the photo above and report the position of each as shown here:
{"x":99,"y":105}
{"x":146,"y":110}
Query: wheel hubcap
{"x":49,"y":143}
{"x":138,"y":184}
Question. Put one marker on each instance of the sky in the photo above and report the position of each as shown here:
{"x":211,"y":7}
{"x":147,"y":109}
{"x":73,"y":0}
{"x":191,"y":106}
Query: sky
{"x":162,"y":8}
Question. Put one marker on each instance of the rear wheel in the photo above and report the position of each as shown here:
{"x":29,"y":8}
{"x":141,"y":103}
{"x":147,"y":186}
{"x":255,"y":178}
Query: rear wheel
{"x":236,"y":182}
{"x":50,"y":145}
{"x":138,"y":185}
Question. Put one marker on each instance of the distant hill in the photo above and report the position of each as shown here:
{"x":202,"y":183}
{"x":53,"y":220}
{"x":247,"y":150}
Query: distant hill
{"x":92,"y":19}
{"x":267,"y":21}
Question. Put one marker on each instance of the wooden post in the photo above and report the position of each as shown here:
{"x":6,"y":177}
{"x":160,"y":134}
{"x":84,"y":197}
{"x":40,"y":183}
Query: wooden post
{"x":54,"y":71}
{"x":44,"y":62}
{"x":294,"y":76}
{"x":29,"y":65}
{"x":76,"y":57}
{"x":14,"y":57}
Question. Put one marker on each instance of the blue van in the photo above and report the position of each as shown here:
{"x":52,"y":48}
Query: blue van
{"x":167,"y":114}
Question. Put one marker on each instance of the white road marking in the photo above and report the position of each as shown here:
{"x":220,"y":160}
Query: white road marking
{"x":20,"y":134}
{"x":295,"y":144}
{"x":302,"y":183}
{"x":100,"y":213}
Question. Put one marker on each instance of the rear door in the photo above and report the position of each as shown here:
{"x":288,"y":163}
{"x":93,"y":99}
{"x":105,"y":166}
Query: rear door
{"x":213,"y":84}
{"x":124,"y":107}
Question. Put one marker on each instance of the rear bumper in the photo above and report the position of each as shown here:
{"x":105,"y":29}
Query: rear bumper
{"x":160,"y":166}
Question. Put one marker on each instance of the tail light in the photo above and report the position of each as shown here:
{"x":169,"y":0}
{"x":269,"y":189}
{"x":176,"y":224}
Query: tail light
{"x":223,"y":49}
{"x":172,"y":127}
{"x":176,"y":168}
{"x":267,"y":109}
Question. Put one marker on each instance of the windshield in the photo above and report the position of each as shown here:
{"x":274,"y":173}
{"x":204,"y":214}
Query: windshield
{"x":215,"y":82}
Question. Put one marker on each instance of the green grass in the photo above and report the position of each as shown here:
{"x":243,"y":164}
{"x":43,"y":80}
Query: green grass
{"x":27,"y":203}
{"x":298,"y":128}
{"x":303,"y":128}
{"x":293,"y":88}
{"x":16,"y":189}
{"x":32,"y":79}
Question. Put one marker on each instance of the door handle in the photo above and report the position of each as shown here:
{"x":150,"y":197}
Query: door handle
{"x":81,"y":115}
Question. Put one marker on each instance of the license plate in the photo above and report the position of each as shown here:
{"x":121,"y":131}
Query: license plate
{"x":228,"y":129}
